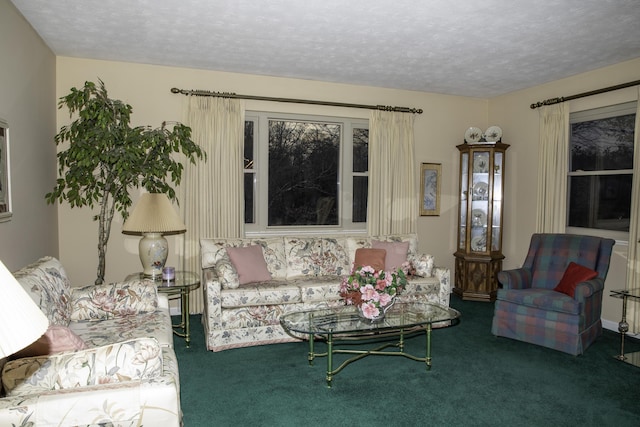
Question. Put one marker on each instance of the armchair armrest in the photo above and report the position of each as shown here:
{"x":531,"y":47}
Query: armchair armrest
{"x":131,"y":360}
{"x":99,"y":302}
{"x":519,"y":278}
{"x":586,"y":289}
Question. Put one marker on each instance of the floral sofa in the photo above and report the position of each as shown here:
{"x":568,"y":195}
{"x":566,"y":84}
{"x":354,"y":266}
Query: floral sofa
{"x":117,"y":365}
{"x":305,"y":273}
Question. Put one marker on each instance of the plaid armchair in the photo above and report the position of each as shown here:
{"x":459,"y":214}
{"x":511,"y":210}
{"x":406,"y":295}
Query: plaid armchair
{"x":527,"y":307}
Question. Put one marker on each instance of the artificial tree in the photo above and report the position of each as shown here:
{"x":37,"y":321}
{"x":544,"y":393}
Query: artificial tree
{"x":106,"y":157}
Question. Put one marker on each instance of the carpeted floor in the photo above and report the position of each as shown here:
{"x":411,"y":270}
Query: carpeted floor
{"x":476,"y":380}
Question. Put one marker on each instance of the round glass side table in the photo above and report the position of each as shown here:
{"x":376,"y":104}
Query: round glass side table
{"x":180,"y":287}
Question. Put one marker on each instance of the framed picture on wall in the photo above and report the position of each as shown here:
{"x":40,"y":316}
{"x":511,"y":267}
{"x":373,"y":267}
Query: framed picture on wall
{"x":5,"y":173}
{"x":430,"y":177}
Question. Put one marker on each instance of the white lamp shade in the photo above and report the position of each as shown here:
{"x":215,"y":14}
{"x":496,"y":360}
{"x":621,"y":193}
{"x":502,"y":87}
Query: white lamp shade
{"x":22,"y":322}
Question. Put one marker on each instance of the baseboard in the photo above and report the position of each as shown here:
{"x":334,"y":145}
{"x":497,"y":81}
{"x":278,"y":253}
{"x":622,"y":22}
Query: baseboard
{"x":613,"y":326}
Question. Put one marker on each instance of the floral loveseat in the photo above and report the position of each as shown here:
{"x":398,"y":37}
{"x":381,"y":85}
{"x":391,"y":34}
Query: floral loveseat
{"x":305,"y":273}
{"x":117,"y":366}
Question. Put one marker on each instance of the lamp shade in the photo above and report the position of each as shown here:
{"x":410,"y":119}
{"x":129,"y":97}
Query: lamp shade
{"x":152,"y":217}
{"x":22,"y":320}
{"x":153,"y":214}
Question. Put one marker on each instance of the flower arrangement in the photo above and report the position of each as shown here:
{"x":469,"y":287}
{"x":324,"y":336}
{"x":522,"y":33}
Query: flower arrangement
{"x":372,"y":291}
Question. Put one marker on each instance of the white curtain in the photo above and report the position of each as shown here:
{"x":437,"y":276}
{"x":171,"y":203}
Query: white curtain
{"x":552,"y":169}
{"x":633,"y":257}
{"x":212,"y":192}
{"x":392,"y":206}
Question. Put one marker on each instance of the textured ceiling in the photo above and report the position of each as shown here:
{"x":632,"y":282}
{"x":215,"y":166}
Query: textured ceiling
{"x":478,"y":48}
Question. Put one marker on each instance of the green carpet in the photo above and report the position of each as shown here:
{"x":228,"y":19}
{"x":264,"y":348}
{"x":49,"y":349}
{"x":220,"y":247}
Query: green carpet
{"x":476,"y":380}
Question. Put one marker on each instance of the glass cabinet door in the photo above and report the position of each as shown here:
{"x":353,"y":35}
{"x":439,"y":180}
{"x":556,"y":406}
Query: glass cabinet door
{"x":496,"y":220}
{"x":480,"y":200}
{"x":464,"y":197}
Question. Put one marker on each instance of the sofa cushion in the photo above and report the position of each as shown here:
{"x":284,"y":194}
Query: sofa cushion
{"x":261,"y":293}
{"x":335,"y":256}
{"x":56,"y":339}
{"x":319,"y":289}
{"x":574,"y":274}
{"x":372,"y":257}
{"x":124,"y":361}
{"x":274,"y":255}
{"x":547,"y":300}
{"x":227,"y":274}
{"x":304,"y":256}
{"x":47,"y":284}
{"x":396,"y":253}
{"x":104,"y":332}
{"x":100,"y":302}
{"x":249,"y":263}
{"x":422,"y":264}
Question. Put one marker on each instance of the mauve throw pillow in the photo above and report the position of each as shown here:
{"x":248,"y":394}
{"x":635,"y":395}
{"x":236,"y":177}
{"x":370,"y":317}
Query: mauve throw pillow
{"x":56,"y":339}
{"x":367,"y":256}
{"x":574,"y":274}
{"x":396,"y":253}
{"x":249,"y":263}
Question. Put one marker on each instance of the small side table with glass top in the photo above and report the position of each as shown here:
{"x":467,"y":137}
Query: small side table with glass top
{"x":181,"y":286}
{"x":623,"y":325}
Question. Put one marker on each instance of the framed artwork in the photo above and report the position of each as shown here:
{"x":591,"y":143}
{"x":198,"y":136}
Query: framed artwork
{"x":430,"y":177}
{"x":5,"y":173}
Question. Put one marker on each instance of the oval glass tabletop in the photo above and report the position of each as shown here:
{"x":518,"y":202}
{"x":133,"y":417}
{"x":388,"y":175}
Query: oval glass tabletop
{"x":346,"y":319}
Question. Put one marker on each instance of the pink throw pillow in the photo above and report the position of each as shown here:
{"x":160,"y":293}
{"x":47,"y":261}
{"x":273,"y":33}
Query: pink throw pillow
{"x":396,"y":253}
{"x":373,"y":257}
{"x":249,"y":263}
{"x":574,"y":274}
{"x":56,"y":339}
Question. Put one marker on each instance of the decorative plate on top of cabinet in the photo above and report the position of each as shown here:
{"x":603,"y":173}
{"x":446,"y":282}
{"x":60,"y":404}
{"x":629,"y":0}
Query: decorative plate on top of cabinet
{"x":493,"y":134}
{"x":473,"y":135}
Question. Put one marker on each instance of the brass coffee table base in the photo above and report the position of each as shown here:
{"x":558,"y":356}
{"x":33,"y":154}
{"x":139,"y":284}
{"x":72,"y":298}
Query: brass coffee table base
{"x":360,"y":354}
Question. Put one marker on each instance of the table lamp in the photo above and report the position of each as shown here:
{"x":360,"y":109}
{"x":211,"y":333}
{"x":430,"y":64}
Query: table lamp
{"x":153,"y":217}
{"x":22,"y":320}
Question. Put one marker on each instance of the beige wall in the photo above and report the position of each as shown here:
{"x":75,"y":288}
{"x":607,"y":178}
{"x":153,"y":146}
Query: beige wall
{"x":147,"y":89}
{"x":520,"y":129}
{"x":27,"y":103}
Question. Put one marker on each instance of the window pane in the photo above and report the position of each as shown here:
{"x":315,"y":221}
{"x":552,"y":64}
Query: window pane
{"x":248,"y":199}
{"x":603,"y":144}
{"x":360,"y":188}
{"x":303,"y":173}
{"x":600,"y":201}
{"x":248,"y":144}
{"x":360,"y":150}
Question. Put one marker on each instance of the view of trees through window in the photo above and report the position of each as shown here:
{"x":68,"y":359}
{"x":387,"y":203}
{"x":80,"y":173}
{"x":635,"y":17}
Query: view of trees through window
{"x":601,"y":172}
{"x":304,"y":159}
{"x":305,"y":171}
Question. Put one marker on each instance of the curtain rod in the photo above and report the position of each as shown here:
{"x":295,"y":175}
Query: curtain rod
{"x":296,"y":101}
{"x":552,"y":101}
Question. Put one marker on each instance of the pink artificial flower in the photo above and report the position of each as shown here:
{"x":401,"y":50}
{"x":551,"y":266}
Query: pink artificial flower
{"x":370,"y":311}
{"x":369,"y":293}
{"x":385,"y":299}
{"x":381,"y":284}
{"x":367,"y":269}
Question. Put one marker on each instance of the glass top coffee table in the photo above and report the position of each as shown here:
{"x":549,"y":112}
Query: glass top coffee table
{"x":342,"y":324}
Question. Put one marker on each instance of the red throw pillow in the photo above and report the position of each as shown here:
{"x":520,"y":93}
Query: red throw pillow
{"x":373,"y":257}
{"x":249,"y":263}
{"x":574,"y":274}
{"x":396,"y":253}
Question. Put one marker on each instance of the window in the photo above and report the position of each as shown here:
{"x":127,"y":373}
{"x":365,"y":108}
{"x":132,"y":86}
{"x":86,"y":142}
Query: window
{"x":306,"y":172}
{"x":601,"y":169}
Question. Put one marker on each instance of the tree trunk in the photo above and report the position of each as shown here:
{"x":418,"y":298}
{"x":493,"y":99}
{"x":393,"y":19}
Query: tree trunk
{"x":107,"y":209}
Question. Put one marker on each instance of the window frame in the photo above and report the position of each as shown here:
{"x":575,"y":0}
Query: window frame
{"x":261,"y":180}
{"x":620,"y":109}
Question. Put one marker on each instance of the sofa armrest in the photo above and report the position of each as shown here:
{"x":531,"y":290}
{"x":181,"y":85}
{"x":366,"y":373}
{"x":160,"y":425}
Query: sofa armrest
{"x":444,"y":277}
{"x":212,"y":299}
{"x":519,"y":278}
{"x":99,"y":302}
{"x":132,"y":360}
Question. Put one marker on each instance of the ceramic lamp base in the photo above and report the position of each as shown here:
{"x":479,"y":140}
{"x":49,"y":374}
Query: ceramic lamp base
{"x":153,"y":249}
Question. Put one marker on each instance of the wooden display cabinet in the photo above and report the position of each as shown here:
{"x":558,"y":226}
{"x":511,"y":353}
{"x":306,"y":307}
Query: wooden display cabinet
{"x":478,"y":257}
